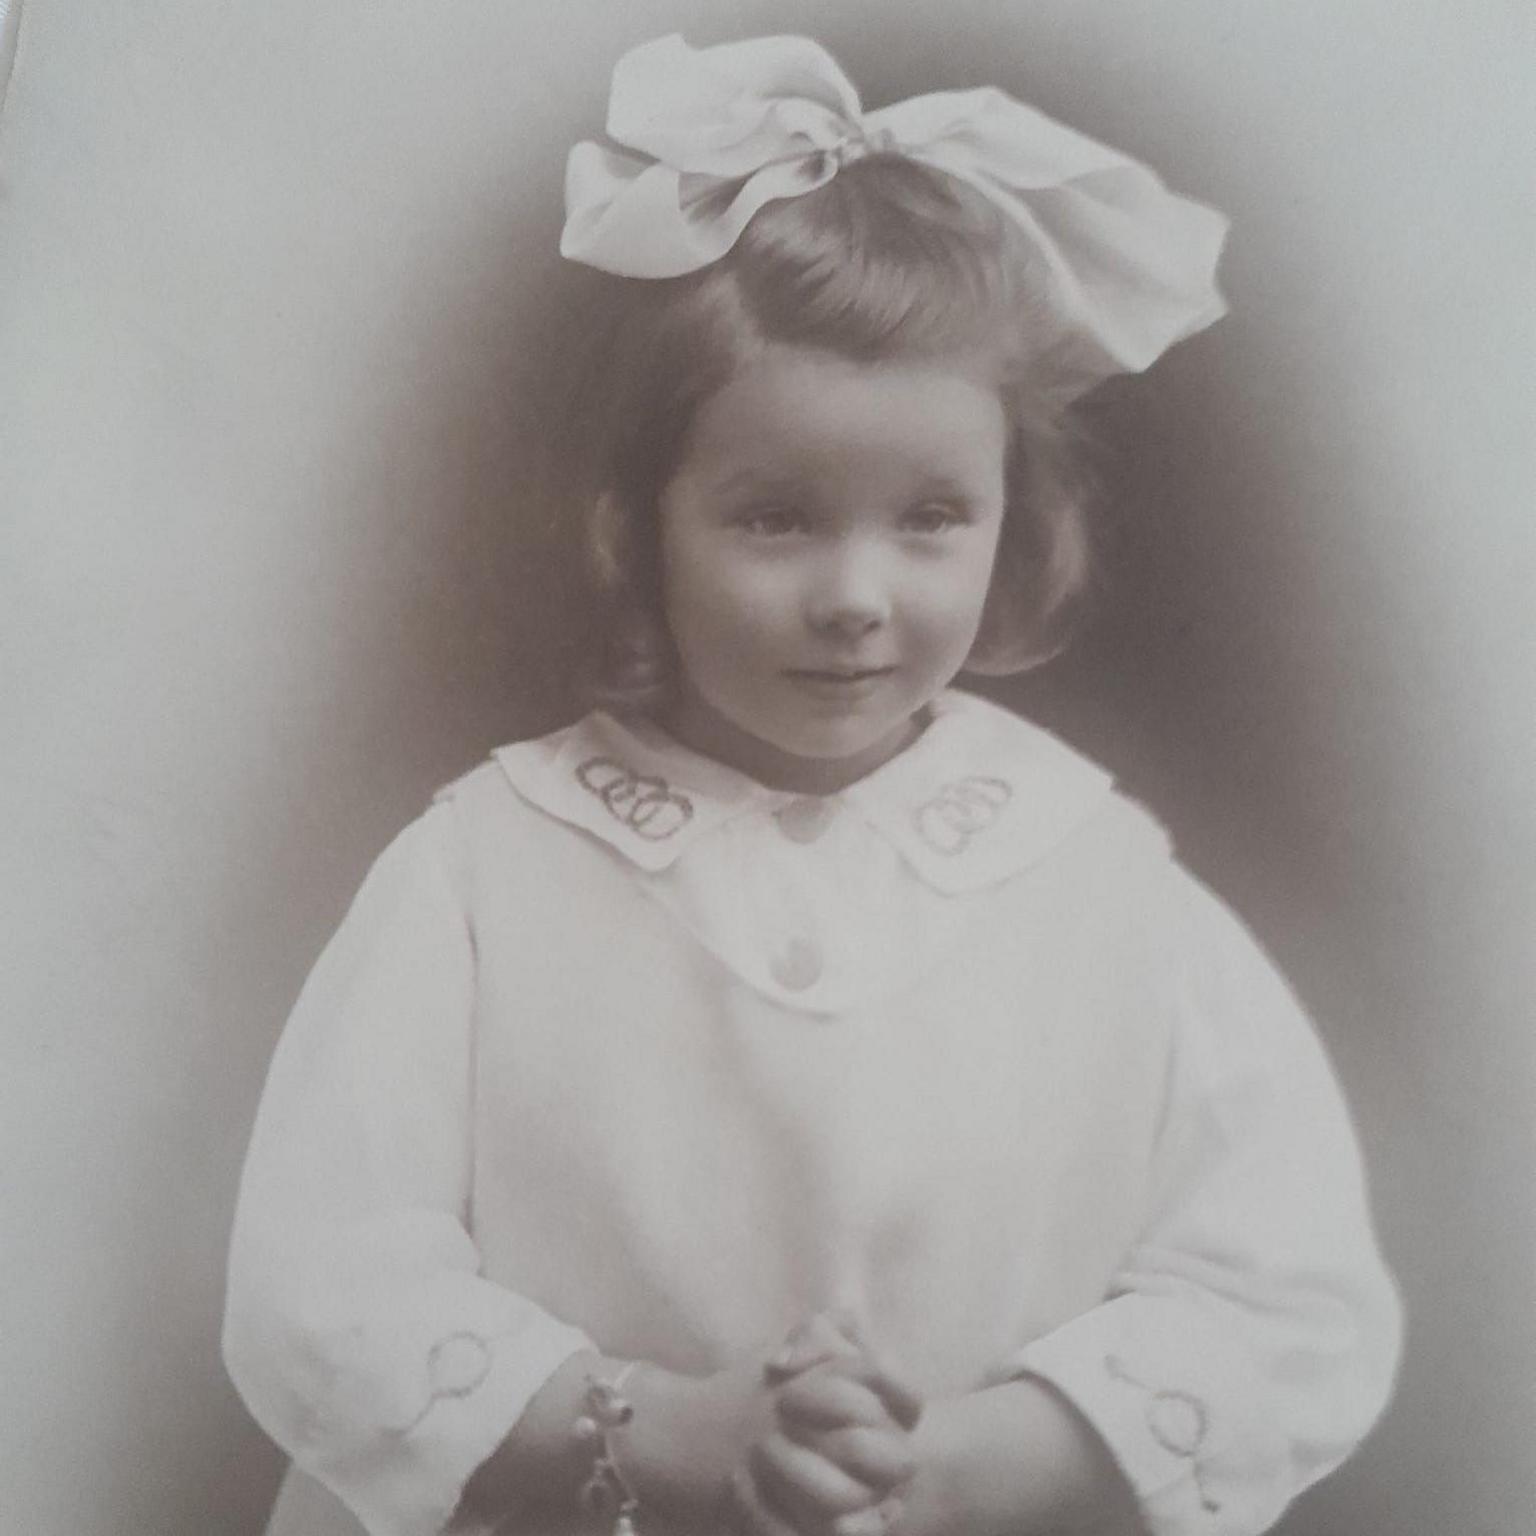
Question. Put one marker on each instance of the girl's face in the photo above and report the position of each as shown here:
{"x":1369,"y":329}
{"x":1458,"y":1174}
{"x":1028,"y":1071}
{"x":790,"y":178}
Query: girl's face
{"x":827,"y":545}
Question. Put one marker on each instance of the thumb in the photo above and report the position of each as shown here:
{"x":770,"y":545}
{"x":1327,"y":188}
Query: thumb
{"x":821,"y":1337}
{"x":844,"y":1321}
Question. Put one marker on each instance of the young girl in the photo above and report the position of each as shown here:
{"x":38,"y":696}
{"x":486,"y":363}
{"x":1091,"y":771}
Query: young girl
{"x":801,"y":1098}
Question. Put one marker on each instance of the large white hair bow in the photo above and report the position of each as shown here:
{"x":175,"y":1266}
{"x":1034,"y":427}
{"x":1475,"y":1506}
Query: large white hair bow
{"x":710,"y":135}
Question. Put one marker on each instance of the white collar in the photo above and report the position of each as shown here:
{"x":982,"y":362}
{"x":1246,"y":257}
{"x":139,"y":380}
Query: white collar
{"x":980,"y":795}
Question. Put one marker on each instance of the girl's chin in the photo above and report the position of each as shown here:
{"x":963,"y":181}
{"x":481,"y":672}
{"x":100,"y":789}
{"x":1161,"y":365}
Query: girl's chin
{"x":826,"y":756}
{"x":808,"y":751}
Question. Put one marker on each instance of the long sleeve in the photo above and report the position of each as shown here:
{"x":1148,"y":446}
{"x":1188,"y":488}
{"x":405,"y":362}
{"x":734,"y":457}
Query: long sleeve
{"x":1251,"y":1336}
{"x":359,"y":1329}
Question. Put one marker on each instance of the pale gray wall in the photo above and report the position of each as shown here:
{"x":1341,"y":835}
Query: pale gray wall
{"x":277,"y":297}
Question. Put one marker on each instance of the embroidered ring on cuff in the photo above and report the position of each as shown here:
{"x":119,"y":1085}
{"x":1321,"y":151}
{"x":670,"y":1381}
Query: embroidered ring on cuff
{"x":1179,"y":1421}
{"x":643,"y":802}
{"x":949,"y":821}
{"x":457,"y":1366}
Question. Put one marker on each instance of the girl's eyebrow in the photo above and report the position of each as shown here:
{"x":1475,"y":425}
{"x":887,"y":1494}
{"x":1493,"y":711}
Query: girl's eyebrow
{"x":927,"y":482}
{"x":940,"y":484}
{"x":751,"y":479}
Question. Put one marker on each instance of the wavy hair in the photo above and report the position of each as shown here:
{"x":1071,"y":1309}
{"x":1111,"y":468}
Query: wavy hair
{"x":890,"y":260}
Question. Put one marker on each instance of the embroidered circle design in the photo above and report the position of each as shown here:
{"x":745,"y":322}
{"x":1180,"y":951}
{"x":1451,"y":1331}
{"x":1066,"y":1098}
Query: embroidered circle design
{"x":949,"y":821}
{"x":1178,"y":1421}
{"x":457,"y":1365}
{"x":645,"y":803}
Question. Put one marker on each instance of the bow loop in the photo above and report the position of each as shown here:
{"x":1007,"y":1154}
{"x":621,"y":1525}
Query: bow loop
{"x":708,"y":136}
{"x":1129,"y":269}
{"x":729,"y":111}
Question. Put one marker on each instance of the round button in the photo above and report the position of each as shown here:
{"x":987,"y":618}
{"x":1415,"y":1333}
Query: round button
{"x":804,"y":820}
{"x":797,"y":966}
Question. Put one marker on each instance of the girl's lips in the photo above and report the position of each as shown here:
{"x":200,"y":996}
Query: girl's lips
{"x":839,"y":683}
{"x":841,"y":674}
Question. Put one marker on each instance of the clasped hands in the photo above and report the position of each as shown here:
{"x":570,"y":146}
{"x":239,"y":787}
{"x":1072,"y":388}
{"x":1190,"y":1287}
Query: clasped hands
{"x":832,"y":1452}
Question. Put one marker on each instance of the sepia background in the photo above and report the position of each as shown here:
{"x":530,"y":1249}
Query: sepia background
{"x":279,"y":319}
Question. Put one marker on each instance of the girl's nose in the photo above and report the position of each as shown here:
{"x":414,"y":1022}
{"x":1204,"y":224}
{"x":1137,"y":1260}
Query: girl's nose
{"x":849,"y":594}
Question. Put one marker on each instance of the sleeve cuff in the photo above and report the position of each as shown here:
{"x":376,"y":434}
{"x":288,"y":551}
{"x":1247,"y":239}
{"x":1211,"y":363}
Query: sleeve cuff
{"x":475,"y":1388}
{"x":1173,"y":1397}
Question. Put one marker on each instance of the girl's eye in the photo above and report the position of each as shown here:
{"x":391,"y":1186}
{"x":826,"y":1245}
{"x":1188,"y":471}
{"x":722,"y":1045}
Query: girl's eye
{"x":772,"y":522}
{"x":934,"y":517}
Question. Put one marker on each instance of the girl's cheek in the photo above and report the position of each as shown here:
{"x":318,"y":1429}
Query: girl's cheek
{"x":735,"y":599}
{"x":763,"y":579}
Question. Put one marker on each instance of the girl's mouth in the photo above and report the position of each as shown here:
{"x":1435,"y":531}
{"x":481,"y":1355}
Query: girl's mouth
{"x":840,"y":674}
{"x":843,"y":673}
{"x":839,"y":681}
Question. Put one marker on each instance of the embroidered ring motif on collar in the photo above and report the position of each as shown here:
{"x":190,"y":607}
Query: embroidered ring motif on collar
{"x":645,"y":803}
{"x":949,"y":821}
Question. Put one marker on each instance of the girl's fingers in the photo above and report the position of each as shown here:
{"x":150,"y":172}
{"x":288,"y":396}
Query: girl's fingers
{"x":750,"y":1515}
{"x":804,"y":1487}
{"x":819,"y":1338}
{"x":834,"y":1337}
{"x":820,"y":1399}
{"x":812,"y":1393}
{"x":870,"y":1522}
{"x":879,"y":1459}
{"x":901,"y":1402}
{"x":846,"y":1323}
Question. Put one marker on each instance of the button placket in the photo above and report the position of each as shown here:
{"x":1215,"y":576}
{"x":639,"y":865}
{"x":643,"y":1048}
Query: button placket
{"x":796,"y":952}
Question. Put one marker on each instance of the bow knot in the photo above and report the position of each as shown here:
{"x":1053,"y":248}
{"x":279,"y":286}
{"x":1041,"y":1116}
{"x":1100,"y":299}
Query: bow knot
{"x":861,"y":141}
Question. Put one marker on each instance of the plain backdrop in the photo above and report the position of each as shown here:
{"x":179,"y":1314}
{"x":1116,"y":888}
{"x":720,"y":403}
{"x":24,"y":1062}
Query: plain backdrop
{"x":279,"y":314}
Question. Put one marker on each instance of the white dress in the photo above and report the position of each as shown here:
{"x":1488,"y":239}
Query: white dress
{"x":617,"y":1046}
